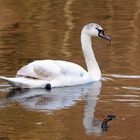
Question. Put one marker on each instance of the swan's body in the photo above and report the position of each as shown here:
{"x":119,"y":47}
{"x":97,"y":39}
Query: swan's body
{"x":61,"y":73}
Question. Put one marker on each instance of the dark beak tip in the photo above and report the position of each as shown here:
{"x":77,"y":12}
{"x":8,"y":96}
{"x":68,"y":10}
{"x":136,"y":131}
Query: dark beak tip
{"x":104,"y":35}
{"x":109,"y":39}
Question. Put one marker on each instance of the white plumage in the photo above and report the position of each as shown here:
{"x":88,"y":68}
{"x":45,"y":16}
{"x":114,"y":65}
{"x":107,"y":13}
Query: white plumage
{"x":59,"y":73}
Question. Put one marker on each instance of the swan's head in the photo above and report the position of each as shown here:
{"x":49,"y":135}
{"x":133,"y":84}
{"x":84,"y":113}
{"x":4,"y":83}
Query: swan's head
{"x":94,"y":29}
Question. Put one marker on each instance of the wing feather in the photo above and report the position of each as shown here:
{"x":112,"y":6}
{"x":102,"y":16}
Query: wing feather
{"x":50,"y":69}
{"x":41,"y":69}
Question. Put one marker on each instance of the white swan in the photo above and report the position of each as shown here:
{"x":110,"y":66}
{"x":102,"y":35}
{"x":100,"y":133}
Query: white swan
{"x":57,"y":73}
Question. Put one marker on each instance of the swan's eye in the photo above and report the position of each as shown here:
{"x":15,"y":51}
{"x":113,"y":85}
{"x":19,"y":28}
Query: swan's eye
{"x":100,"y":31}
{"x":102,"y":34}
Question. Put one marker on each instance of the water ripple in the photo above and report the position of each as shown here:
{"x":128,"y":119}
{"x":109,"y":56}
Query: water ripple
{"x":131,"y":88}
{"x":127,"y":100}
{"x":122,"y":76}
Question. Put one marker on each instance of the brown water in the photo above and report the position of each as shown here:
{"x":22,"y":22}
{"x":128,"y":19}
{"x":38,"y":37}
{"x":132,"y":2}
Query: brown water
{"x":50,"y":29}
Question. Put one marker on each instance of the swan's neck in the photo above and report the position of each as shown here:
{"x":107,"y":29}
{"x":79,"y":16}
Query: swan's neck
{"x":92,"y":65}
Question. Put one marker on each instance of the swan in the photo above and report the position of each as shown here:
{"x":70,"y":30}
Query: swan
{"x":57,"y":73}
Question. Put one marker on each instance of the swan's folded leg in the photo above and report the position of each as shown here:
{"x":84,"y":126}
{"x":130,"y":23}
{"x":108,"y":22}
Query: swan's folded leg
{"x":23,"y":82}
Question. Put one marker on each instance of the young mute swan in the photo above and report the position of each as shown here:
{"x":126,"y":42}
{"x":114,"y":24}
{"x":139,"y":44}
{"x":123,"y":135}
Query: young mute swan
{"x":57,"y":73}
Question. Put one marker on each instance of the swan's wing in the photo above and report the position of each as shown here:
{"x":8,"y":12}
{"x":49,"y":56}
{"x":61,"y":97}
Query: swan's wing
{"x":42,"y":69}
{"x":71,"y":69}
{"x":49,"y":69}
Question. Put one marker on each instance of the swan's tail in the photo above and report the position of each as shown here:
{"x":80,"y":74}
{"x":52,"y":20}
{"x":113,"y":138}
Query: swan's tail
{"x":11,"y":82}
{"x":23,"y":82}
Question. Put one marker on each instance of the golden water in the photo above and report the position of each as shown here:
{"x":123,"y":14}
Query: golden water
{"x":50,"y":29}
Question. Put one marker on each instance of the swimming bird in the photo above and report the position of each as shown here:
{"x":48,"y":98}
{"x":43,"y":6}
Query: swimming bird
{"x":58,"y":73}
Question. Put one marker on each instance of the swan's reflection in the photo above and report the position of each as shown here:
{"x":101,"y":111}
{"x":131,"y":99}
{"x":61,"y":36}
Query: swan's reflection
{"x":59,"y":98}
{"x":91,"y":124}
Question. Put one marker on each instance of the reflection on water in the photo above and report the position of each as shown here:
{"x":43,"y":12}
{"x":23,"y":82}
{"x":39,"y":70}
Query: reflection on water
{"x":69,"y":23}
{"x":91,"y":124}
{"x":60,"y":98}
{"x":57,"y":98}
{"x":46,"y":29}
{"x":123,"y":76}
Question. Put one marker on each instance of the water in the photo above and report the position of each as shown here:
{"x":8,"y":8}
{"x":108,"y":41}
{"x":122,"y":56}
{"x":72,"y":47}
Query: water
{"x":32,"y":30}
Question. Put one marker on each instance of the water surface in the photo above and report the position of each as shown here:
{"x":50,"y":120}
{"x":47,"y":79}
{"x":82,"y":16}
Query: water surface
{"x":33,"y":30}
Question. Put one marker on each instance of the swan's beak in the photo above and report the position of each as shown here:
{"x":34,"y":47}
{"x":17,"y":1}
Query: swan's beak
{"x":102,"y":34}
